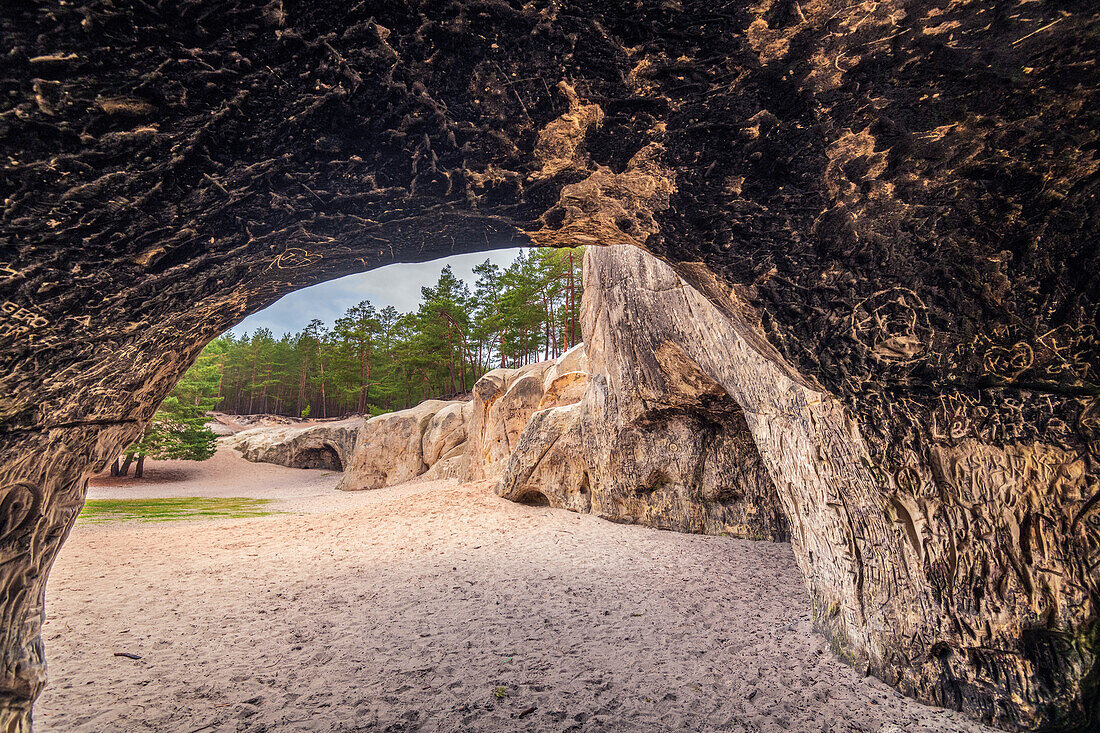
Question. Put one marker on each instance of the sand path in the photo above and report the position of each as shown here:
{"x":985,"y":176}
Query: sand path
{"x":405,"y":609}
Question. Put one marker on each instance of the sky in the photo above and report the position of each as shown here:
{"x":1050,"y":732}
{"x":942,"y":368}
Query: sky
{"x":396,"y":285}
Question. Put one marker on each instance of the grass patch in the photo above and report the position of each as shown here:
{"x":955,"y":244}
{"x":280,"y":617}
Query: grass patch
{"x":171,"y":510}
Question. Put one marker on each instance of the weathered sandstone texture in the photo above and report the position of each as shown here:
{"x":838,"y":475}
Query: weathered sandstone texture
{"x":464,"y":440}
{"x":402,"y":445}
{"x":957,"y":579}
{"x":329,"y":445}
{"x":895,"y":203}
{"x":505,"y":399}
{"x":654,"y":440}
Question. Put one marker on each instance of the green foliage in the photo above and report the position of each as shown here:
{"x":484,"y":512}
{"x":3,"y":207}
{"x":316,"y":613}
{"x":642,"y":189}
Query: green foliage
{"x":178,"y":429}
{"x":167,"y":510}
{"x":375,"y":360}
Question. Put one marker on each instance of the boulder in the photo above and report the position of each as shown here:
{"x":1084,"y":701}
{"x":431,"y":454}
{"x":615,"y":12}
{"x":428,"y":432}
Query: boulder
{"x":463,"y":440}
{"x":505,"y":399}
{"x":329,"y":445}
{"x":503,"y":402}
{"x":392,"y":446}
{"x":548,"y":466}
{"x":564,"y":389}
{"x":445,"y":444}
{"x":446,"y":432}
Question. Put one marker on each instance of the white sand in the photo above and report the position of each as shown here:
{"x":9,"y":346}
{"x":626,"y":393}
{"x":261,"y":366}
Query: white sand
{"x":405,"y":608}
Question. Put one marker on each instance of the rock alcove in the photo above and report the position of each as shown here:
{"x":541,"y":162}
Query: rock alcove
{"x":324,"y":457}
{"x":889,"y":210}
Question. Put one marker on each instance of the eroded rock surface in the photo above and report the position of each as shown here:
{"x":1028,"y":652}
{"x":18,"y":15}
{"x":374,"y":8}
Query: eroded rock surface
{"x":402,"y":445}
{"x":654,"y":442}
{"x":329,"y":445}
{"x":463,"y":440}
{"x":505,"y":399}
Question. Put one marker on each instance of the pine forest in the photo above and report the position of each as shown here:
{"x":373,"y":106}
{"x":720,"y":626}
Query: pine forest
{"x":373,"y":360}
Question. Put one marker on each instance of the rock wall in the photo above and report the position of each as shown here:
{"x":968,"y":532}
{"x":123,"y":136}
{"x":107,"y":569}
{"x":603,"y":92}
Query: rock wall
{"x":651,"y":442}
{"x":399,"y":446}
{"x":329,"y":445}
{"x":899,"y":197}
{"x":505,"y":399}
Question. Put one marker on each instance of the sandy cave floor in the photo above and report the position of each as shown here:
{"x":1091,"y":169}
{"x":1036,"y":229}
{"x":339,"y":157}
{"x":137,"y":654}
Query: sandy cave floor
{"x":407,"y":608}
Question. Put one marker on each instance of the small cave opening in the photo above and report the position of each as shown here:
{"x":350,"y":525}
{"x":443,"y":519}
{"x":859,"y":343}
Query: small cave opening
{"x":534,"y":498}
{"x":325,"y":457}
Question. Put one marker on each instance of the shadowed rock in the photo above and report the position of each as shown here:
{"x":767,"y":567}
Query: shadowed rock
{"x":652,"y":441}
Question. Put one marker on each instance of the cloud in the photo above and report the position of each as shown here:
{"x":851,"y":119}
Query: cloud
{"x":396,"y":285}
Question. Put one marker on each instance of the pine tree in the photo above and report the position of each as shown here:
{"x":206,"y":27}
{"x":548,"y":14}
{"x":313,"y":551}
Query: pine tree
{"x":178,"y":428}
{"x":357,"y":336}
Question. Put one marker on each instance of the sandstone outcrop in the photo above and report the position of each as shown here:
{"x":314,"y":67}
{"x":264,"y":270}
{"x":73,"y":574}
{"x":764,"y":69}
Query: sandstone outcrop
{"x":399,"y":446}
{"x":905,"y":576}
{"x":653,"y":442}
{"x":463,"y":440}
{"x":328,"y":445}
{"x":894,"y":203}
{"x":505,"y":399}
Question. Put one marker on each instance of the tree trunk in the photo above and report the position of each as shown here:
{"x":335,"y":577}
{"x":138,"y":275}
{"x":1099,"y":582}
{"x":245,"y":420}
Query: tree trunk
{"x":321,"y":367}
{"x":115,"y":468}
{"x":364,"y":378}
{"x":252,"y":388}
{"x":126,"y":465}
{"x":572,"y":303}
{"x":451,"y":359}
{"x":139,"y":469}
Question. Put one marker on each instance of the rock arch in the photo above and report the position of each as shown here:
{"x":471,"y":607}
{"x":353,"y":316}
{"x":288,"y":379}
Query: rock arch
{"x":893,"y":204}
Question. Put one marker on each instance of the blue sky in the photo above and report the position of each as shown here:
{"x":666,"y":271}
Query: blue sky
{"x":396,"y":285}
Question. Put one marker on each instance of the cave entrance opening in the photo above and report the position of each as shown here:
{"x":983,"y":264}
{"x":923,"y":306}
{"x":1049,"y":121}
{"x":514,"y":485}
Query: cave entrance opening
{"x":715,"y":349}
{"x":534,"y":498}
{"x":328,"y":458}
{"x":324,"y":457}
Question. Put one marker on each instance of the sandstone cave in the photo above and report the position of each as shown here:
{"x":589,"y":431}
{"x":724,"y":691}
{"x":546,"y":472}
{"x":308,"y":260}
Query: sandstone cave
{"x":886,"y":213}
{"x":324,"y":457}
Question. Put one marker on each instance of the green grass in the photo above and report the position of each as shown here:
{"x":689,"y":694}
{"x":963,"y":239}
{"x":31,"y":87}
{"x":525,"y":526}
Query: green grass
{"x":171,"y":510}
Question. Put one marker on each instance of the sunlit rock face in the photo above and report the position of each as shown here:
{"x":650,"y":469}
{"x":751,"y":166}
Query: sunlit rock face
{"x":465,"y":440}
{"x":396,"y":447}
{"x":899,"y":198}
{"x":505,"y":399}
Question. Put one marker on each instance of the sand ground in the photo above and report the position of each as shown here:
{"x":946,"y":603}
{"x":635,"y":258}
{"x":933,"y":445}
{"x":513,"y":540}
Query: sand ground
{"x":410,"y":608}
